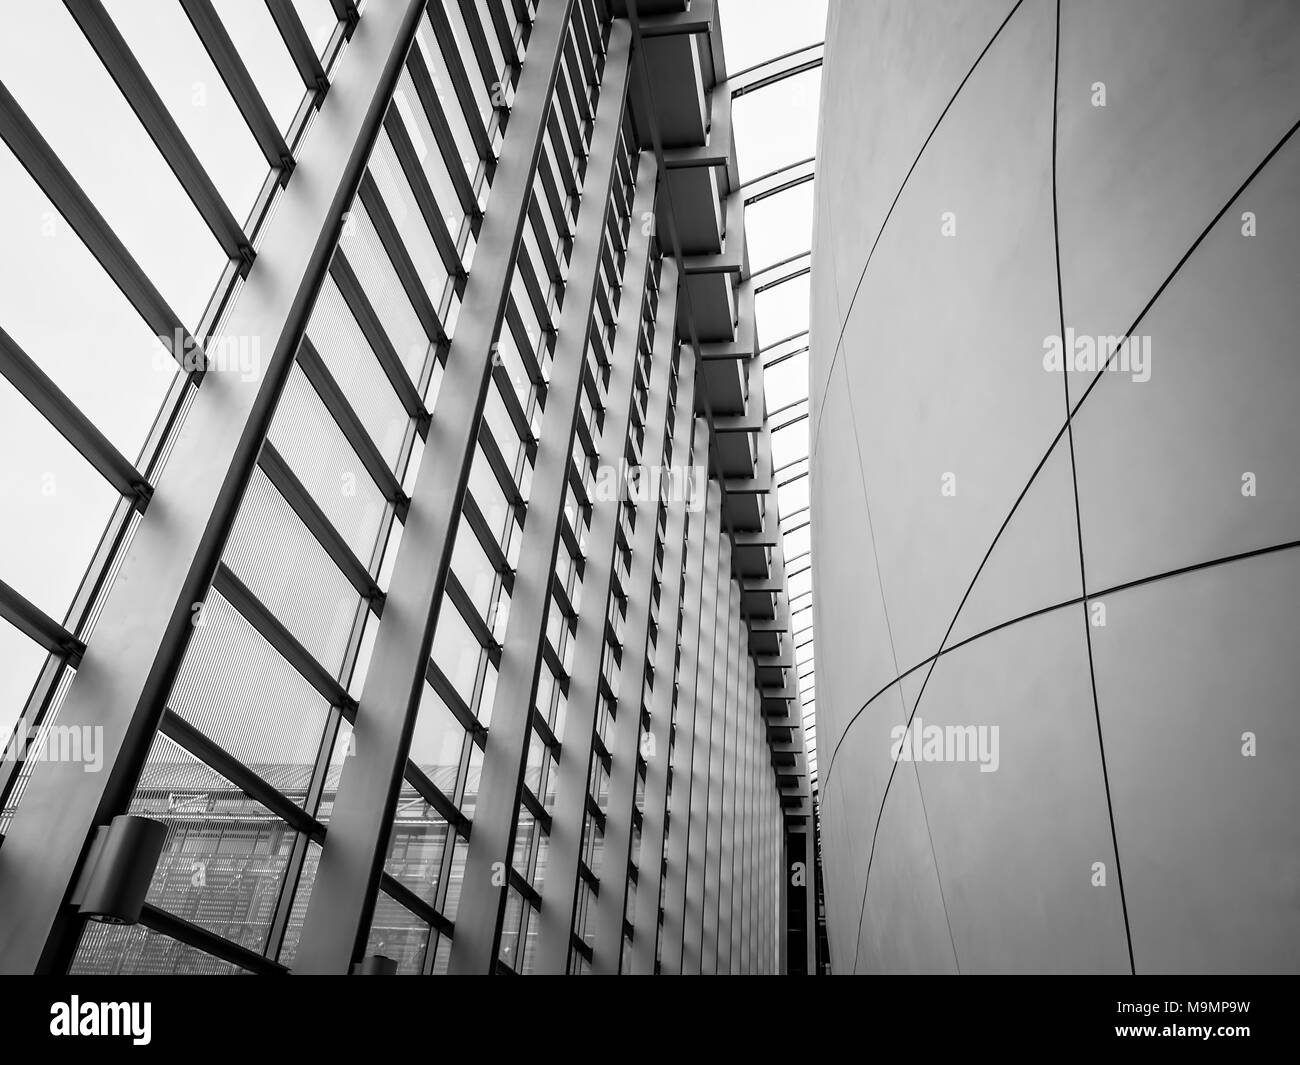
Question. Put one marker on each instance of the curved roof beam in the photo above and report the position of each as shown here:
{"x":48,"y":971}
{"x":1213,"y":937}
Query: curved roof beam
{"x":760,"y":76}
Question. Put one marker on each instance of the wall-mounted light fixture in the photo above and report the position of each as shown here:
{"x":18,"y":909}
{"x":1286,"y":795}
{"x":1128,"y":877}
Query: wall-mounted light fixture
{"x":119,"y":869}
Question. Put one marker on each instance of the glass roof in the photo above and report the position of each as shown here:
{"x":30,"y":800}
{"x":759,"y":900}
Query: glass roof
{"x":773,"y":54}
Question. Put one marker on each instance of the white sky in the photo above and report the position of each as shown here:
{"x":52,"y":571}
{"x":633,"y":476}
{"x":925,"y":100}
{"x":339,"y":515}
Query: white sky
{"x":775,"y":126}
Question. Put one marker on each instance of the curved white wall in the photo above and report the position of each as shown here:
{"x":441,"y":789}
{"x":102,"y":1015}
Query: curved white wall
{"x":928,"y":361}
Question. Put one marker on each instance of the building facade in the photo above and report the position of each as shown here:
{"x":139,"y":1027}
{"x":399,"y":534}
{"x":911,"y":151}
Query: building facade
{"x":1055,"y":498}
{"x":413,"y":562}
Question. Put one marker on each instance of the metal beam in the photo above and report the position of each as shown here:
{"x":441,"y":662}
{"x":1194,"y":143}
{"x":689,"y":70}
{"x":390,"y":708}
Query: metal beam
{"x":230,"y":65}
{"x":62,"y":190}
{"x":474,"y":950}
{"x":146,"y":620}
{"x":699,"y":604}
{"x":611,"y":902}
{"x":299,"y":45}
{"x":21,"y":371}
{"x":708,"y":711}
{"x":129,"y":75}
{"x":338,"y":916}
{"x":674,"y":604}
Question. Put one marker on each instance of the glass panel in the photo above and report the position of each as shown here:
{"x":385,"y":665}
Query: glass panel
{"x":786,"y":106}
{"x":488,"y":696}
{"x":456,"y":651}
{"x":335,"y":333}
{"x":446,"y":93}
{"x":225,"y":854}
{"x":456,"y":878}
{"x":305,"y":433}
{"x":516,"y":911}
{"x":409,"y":107}
{"x":163,"y":40}
{"x":409,"y":220}
{"x":396,"y":933}
{"x":344,"y":748}
{"x":64,"y":312}
{"x":383,"y":288}
{"x":416,"y":846}
{"x":22,"y":665}
{"x":438,"y":741}
{"x":779,"y":226}
{"x":93,"y":130}
{"x":237,"y":690}
{"x":298,"y":914}
{"x":285,"y":566}
{"x":473,"y":570}
{"x":55,"y":506}
{"x":317,"y":17}
{"x":461,"y":36}
{"x":473,"y":776}
{"x":264,"y":54}
{"x":442,"y":956}
{"x":134,"y":950}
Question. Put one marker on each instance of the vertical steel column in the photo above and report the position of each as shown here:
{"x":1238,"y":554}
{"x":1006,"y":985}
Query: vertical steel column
{"x":749,"y":872}
{"x":555,"y":919}
{"x":722,"y":740}
{"x":708,"y":726}
{"x":343,"y":897}
{"x":716,"y":758}
{"x":496,"y":811}
{"x":759,"y":758}
{"x":125,"y":678}
{"x":776,"y":897}
{"x":733,"y":866}
{"x":698,"y":605}
{"x":776,"y":862}
{"x":764,"y":884}
{"x":673,"y":600}
{"x":734,"y":877}
{"x":810,"y":887}
{"x":612,"y":898}
{"x":727,"y":871}
{"x":783,"y":908}
{"x":751,"y":869}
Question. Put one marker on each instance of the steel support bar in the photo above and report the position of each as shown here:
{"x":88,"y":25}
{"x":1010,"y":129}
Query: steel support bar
{"x":478,"y":923}
{"x":707,"y":707}
{"x":555,"y":921}
{"x":68,"y":198}
{"x":21,"y":371}
{"x":126,"y":677}
{"x":748,"y":874}
{"x":697,"y":606}
{"x":611,"y":902}
{"x":36,"y":625}
{"x":672,"y":606}
{"x":740,"y":875}
{"x":230,"y":65}
{"x":149,"y":108}
{"x":299,"y":45}
{"x":719,"y":755}
{"x":730,"y":757}
{"x":347,"y":879}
